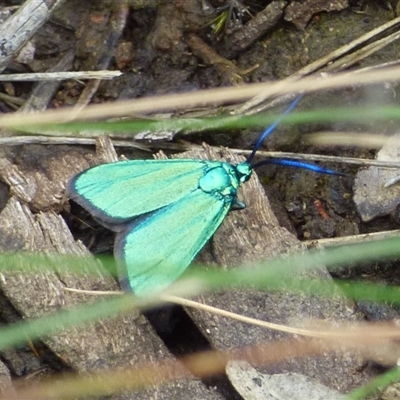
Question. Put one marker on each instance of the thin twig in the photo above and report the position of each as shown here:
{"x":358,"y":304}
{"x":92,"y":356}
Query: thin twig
{"x":59,"y":76}
{"x":329,"y":331}
{"x":334,"y":55}
{"x":255,"y":105}
{"x":353,"y":239}
{"x":12,"y":99}
{"x":336,"y":332}
{"x":53,"y":140}
{"x":361,"y":54}
{"x":324,"y":158}
{"x":74,"y":140}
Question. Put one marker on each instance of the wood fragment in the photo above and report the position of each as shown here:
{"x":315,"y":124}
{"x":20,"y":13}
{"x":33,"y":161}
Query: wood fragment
{"x":300,"y":13}
{"x":255,"y":28}
{"x":21,"y":26}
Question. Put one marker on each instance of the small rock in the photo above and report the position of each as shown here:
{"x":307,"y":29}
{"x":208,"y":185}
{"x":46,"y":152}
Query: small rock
{"x":376,"y":189}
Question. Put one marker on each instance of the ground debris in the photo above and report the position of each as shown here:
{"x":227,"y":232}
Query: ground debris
{"x":255,"y":386}
{"x":266,"y":19}
{"x":300,"y":12}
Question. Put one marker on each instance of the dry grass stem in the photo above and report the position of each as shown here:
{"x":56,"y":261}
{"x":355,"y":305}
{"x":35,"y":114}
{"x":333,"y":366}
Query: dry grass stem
{"x":201,"y":98}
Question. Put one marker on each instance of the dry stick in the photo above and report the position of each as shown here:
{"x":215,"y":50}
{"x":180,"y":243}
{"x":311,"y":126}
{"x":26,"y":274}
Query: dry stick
{"x":182,"y":101}
{"x":359,"y":55}
{"x":23,"y":140}
{"x":323,"y":158}
{"x":21,"y":26}
{"x":314,"y":66}
{"x":379,"y":67}
{"x":74,"y":140}
{"x":353,"y":239}
{"x":59,"y":76}
{"x":314,"y":157}
{"x":256,"y":27}
{"x":12,"y":99}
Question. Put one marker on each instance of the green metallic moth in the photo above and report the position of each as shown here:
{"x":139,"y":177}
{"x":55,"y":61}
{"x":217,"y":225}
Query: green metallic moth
{"x":164,"y":211}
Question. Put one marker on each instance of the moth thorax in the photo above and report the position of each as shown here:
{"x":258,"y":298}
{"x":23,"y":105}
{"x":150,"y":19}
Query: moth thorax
{"x":222,"y":179}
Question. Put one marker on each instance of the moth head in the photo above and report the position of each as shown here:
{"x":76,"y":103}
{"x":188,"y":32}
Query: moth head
{"x":244,"y":171}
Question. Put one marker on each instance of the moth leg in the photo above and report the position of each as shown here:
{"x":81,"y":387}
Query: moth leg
{"x":213,"y":252}
{"x":238,"y":205}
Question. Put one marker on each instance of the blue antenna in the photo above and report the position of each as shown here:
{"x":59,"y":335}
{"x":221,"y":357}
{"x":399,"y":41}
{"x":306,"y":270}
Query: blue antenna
{"x":272,"y":127}
{"x":285,"y":162}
